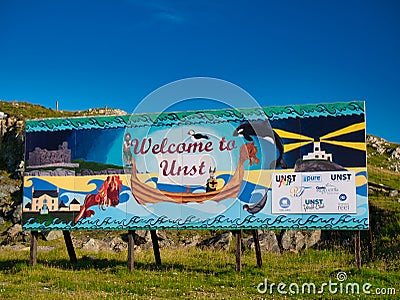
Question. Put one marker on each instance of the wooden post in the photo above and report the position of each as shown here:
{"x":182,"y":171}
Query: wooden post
{"x":370,"y":242}
{"x":371,"y":245}
{"x":257,"y":247}
{"x":357,"y":249}
{"x":156,"y":248}
{"x":33,"y":249}
{"x":238,"y":235}
{"x":131,"y":245}
{"x":70,"y":246}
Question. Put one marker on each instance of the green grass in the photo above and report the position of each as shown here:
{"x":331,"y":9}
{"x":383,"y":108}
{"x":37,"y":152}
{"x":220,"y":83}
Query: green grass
{"x":94,"y":166}
{"x":185,"y":273}
{"x":191,"y":273}
{"x":386,"y":177}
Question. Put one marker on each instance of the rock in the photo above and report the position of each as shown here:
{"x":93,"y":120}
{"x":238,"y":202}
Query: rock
{"x":117,"y":244}
{"x":45,"y":248}
{"x":12,"y":234}
{"x":268,"y":242}
{"x":293,"y":240}
{"x":95,"y":245}
{"x":219,"y":242}
{"x":1,"y":220}
{"x":16,"y":216}
{"x":395,"y":154}
{"x":192,"y":241}
{"x":311,"y":237}
{"x":14,"y":230}
{"x":142,"y":237}
{"x":50,"y":235}
{"x":376,"y":143}
{"x":11,"y":142}
{"x":17,"y":247}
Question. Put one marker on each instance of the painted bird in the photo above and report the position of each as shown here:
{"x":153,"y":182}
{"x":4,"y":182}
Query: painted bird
{"x":197,"y":136}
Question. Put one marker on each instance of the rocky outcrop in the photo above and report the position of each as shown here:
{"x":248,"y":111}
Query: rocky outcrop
{"x":50,"y":235}
{"x":268,"y":242}
{"x":388,"y":150}
{"x":296,"y":240}
{"x":12,"y":144}
{"x":15,"y":234}
{"x":220,"y":242}
{"x":379,"y":144}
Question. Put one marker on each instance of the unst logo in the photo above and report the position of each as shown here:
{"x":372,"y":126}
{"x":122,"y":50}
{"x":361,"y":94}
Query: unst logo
{"x":285,"y":179}
{"x":341,"y":177}
{"x":314,"y":202}
{"x":284,"y":202}
{"x":312,"y":178}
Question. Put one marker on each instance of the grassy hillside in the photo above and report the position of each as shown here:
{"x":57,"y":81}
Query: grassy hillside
{"x":25,"y":110}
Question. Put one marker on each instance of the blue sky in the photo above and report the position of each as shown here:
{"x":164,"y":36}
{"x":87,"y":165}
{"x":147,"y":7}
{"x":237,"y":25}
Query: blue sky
{"x":113,"y":53}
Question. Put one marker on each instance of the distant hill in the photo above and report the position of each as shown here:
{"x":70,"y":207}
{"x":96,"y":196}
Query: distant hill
{"x":383,"y":160}
{"x":25,"y":110}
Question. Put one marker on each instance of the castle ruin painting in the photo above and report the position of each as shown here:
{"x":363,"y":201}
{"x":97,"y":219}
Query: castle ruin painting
{"x":47,"y":158}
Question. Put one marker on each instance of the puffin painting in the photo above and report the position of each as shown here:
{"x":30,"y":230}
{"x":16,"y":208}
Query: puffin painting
{"x":197,"y":136}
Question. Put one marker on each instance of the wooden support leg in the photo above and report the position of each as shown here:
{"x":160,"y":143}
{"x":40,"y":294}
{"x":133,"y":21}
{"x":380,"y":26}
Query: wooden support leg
{"x":33,"y":249}
{"x":156,"y":248}
{"x":257,"y":248}
{"x":131,"y":245}
{"x":238,"y":235}
{"x":70,"y":246}
{"x":370,"y":242}
{"x":371,"y":245}
{"x":357,"y":249}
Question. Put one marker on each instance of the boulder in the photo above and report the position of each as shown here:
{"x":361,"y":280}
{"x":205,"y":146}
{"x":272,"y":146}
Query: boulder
{"x":16,"y":216}
{"x":293,"y":240}
{"x":95,"y":245}
{"x":14,"y":230}
{"x":191,"y":241}
{"x":311,"y":237}
{"x":117,"y":244}
{"x":50,"y":235}
{"x":12,"y":234}
{"x":268,"y":242}
{"x":395,"y":154}
{"x":142,"y":237}
{"x":219,"y":242}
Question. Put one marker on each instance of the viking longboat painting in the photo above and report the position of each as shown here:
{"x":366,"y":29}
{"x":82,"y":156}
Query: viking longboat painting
{"x":300,"y":166}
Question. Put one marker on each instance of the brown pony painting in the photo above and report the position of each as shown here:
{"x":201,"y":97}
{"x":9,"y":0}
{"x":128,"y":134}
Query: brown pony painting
{"x":108,"y":195}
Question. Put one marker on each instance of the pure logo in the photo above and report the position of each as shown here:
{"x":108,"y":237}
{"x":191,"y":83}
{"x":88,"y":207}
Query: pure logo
{"x":312,"y":178}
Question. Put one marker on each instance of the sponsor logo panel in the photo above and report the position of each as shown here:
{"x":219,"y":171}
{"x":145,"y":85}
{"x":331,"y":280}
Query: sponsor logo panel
{"x":314,"y":192}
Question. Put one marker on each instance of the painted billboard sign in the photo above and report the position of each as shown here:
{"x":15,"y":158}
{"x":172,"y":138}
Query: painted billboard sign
{"x":299,"y":167}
